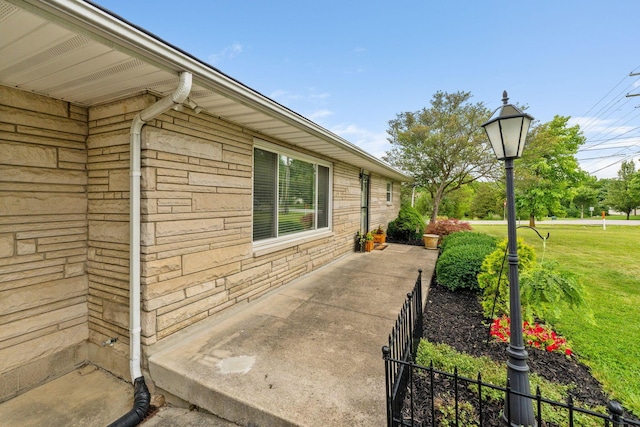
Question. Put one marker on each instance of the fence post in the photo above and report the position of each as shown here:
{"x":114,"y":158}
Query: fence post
{"x":616,"y":411}
{"x":418,"y":302}
{"x":386,"y":354}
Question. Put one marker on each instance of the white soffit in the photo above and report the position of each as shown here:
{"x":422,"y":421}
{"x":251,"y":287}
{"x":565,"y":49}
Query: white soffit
{"x":77,"y":52}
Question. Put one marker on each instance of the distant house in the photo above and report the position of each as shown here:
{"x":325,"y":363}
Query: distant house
{"x":117,"y":150}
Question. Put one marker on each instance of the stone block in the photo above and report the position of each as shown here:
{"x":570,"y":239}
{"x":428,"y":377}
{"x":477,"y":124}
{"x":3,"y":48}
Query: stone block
{"x":109,"y":231}
{"x":148,"y":323}
{"x":41,"y":294}
{"x":72,"y":156}
{"x":216,"y":180}
{"x":7,"y":248}
{"x":222,"y":202}
{"x":173,"y":228}
{"x":22,"y":203}
{"x":161,"y":266}
{"x":46,"y":176}
{"x":199,"y":261}
{"x":190,"y":311}
{"x":9,"y":383}
{"x":41,"y":321}
{"x":30,"y":101}
{"x":159,"y":289}
{"x":112,"y":206}
{"x":117,"y":314}
{"x":119,"y":180}
{"x":28,"y":155}
{"x":175,"y":143}
{"x":26,"y":247}
{"x":28,"y":351}
{"x":247,"y":275}
{"x":99,"y":142}
{"x":121,"y":107}
{"x":45,"y":122}
{"x":148,"y":233}
{"x":160,"y":301}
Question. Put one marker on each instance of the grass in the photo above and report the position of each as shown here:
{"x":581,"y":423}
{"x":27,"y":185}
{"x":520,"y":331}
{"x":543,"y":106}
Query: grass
{"x":446,"y":358}
{"x":607,"y":262}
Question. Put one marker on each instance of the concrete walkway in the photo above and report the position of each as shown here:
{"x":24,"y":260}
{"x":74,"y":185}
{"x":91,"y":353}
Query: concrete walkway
{"x":308,"y":354}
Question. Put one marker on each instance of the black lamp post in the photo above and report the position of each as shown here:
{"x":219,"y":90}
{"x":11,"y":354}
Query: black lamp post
{"x":507,"y":132}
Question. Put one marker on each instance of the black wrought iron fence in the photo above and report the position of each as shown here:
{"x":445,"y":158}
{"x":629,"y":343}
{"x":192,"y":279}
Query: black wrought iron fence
{"x":402,"y":346}
{"x":424,"y":396}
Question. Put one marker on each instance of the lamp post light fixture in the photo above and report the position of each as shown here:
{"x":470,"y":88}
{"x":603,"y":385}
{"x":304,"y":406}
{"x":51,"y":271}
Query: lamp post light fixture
{"x":507,"y":132}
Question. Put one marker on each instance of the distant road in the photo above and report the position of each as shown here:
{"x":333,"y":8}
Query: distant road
{"x":565,"y":222}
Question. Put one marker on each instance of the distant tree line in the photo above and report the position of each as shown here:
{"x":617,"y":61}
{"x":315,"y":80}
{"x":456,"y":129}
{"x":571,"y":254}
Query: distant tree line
{"x":456,"y":175}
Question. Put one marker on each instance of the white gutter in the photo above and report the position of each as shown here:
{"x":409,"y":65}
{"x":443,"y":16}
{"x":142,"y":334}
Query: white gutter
{"x":177,"y":98}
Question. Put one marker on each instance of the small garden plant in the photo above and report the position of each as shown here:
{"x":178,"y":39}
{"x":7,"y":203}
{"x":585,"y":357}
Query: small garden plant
{"x":535,"y":335}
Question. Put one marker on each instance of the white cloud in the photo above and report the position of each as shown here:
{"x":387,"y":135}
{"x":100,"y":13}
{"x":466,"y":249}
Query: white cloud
{"x":320,"y":114}
{"x":372,"y":142}
{"x":594,"y":126}
{"x":228,"y":52}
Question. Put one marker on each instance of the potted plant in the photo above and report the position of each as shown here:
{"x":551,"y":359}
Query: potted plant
{"x":360,"y":241}
{"x":368,"y":242}
{"x":379,"y":235}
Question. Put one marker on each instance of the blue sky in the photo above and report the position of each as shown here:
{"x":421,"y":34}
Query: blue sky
{"x":351,"y":66}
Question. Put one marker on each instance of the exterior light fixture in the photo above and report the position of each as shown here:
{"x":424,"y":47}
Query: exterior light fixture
{"x":507,"y":132}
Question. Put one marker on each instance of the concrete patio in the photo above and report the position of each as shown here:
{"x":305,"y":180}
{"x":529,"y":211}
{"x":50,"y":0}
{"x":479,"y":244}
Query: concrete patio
{"x":308,"y":354}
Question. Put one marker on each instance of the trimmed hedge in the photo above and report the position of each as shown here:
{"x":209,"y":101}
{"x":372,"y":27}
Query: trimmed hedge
{"x":467,"y":238}
{"x":461,"y":260}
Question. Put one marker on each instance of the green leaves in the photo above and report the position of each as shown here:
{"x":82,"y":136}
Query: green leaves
{"x":548,"y":169}
{"x":443,"y":146}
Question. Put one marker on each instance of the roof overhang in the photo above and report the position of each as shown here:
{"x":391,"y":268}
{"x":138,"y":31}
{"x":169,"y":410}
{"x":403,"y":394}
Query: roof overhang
{"x":76,"y":51}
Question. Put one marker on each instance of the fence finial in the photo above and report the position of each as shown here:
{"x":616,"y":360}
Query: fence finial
{"x":386,"y":351}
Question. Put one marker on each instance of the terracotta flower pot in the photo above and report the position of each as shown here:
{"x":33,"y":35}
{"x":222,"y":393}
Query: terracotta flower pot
{"x":379,"y":238}
{"x":368,"y":245}
{"x":430,"y":241}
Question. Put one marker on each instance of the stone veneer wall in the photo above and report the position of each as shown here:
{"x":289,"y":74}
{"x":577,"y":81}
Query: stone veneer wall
{"x":197,"y":254}
{"x":43,"y":239}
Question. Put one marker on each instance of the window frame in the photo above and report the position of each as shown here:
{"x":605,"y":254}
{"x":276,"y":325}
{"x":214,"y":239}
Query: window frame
{"x":292,"y":239}
{"x":389,"y":192}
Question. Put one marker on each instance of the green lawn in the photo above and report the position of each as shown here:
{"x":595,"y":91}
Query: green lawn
{"x":609,"y":263}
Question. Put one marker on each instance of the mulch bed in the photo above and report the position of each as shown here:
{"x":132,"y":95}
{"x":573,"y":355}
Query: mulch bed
{"x":456,"y":319}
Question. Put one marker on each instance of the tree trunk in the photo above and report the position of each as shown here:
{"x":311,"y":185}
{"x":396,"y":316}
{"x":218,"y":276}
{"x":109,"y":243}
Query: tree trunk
{"x":436,"y":207}
{"x":532,"y":221}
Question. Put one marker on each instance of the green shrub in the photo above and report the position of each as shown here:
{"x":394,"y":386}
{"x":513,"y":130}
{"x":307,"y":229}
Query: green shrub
{"x":458,"y":266}
{"x":490,"y":276}
{"x":409,"y":225}
{"x":546,"y":290}
{"x":467,"y":238}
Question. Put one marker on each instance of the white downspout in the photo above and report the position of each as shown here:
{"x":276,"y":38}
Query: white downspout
{"x":177,"y":98}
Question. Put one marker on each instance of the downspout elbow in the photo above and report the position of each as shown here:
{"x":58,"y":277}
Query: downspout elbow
{"x":141,"y":399}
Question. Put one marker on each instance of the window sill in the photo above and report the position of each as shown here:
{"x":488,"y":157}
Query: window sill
{"x":260,"y":249}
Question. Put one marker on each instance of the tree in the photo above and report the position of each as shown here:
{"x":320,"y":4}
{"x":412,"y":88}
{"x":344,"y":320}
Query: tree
{"x":623,"y":194}
{"x":488,"y":200}
{"x":548,"y":171}
{"x":443,"y":146}
{"x":585,"y":195}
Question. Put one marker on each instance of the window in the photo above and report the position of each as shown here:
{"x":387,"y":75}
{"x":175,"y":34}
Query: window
{"x":291,"y":194}
{"x":389,"y":192}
